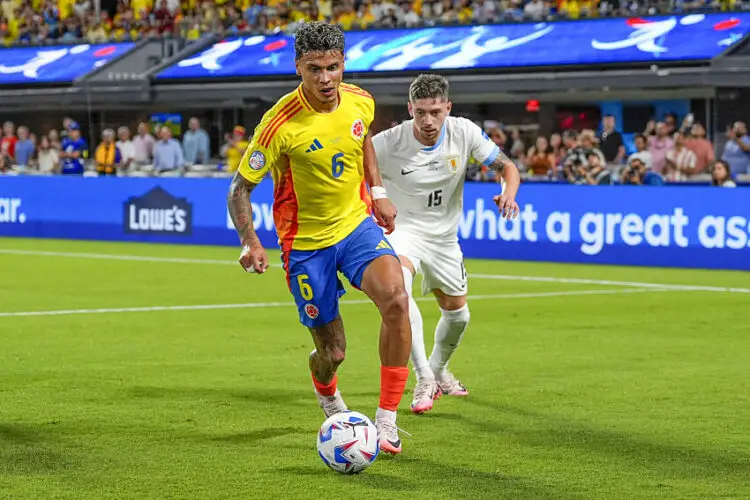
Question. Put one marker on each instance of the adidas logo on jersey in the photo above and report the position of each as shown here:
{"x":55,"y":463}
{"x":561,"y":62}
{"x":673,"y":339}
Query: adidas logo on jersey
{"x":383,"y":245}
{"x":316,"y":145}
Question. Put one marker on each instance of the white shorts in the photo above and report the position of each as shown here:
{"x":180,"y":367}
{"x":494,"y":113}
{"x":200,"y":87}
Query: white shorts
{"x":440,"y":263}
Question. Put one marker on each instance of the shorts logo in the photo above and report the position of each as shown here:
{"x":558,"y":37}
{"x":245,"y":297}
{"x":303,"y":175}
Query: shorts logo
{"x":358,"y":129}
{"x":452,"y":162}
{"x":383,"y":245}
{"x":257,"y":160}
{"x":312,"y":311}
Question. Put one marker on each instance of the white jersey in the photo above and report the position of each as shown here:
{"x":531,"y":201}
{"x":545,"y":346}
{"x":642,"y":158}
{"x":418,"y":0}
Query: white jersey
{"x":427,"y":183}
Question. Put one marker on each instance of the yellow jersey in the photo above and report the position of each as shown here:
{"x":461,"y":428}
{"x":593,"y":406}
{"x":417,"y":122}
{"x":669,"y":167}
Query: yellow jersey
{"x":316,"y":161}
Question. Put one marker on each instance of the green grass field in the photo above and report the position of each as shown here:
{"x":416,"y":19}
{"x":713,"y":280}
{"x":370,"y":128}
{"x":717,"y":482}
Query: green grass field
{"x":578,"y":389}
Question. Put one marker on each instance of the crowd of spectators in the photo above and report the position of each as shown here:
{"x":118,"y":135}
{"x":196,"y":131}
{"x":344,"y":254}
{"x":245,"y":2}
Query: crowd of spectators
{"x":119,"y":152}
{"x":663,"y":152}
{"x":67,"y":21}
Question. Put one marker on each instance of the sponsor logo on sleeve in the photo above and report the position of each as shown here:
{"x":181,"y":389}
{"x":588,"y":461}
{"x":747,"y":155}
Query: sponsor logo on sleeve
{"x":257,"y":160}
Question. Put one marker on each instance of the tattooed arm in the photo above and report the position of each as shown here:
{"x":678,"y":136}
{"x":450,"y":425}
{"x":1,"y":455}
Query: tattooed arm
{"x":253,"y":257}
{"x":507,"y":173}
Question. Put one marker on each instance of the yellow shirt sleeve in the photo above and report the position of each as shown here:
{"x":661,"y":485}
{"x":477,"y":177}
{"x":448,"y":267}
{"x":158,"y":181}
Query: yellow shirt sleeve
{"x":265,"y":149}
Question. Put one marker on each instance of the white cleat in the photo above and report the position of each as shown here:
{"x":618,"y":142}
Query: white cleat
{"x":388,"y":436}
{"x":450,"y":386}
{"x":331,"y":404}
{"x":425,"y":392}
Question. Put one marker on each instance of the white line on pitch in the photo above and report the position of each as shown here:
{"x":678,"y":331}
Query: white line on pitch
{"x":580,"y":281}
{"x":256,"y":305}
{"x":109,"y":256}
{"x":507,"y":277}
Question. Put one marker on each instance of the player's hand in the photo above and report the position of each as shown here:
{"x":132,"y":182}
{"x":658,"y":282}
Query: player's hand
{"x":385,"y":214}
{"x":254,"y":259}
{"x":507,"y":206}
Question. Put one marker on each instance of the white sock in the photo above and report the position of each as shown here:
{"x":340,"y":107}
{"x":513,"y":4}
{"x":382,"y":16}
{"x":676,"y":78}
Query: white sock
{"x":450,"y":329}
{"x":387,"y":415}
{"x":418,"y":353}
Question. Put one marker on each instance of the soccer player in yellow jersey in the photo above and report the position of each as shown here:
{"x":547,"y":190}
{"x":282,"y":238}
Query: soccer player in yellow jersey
{"x":316,"y":143}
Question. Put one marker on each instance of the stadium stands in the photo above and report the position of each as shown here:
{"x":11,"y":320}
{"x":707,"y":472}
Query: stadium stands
{"x":70,"y":21}
{"x":664,"y":152}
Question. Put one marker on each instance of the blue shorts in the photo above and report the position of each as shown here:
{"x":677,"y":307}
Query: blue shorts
{"x":312,"y":274}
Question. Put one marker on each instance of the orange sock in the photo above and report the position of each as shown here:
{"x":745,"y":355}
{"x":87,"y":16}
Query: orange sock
{"x":392,"y":385}
{"x":328,"y":389}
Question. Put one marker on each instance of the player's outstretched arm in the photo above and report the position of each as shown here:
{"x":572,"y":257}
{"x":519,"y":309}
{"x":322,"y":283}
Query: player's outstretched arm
{"x":507,"y":172}
{"x":383,"y":209}
{"x":253,"y":257}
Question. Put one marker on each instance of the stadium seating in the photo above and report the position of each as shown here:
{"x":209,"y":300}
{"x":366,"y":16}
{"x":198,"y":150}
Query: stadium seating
{"x":71,"y":21}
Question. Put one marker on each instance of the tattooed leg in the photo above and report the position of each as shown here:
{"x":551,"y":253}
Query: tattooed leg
{"x":330,"y":348}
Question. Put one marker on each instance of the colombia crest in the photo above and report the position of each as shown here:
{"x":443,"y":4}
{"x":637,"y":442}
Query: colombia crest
{"x":312,"y":311}
{"x":358,"y":129}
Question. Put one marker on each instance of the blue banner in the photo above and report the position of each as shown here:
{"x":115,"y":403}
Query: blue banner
{"x":55,"y":64}
{"x":700,"y":227}
{"x":603,"y":41}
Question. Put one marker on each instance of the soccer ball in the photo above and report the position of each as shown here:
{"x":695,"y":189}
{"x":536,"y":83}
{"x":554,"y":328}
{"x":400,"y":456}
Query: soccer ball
{"x":348,"y":442}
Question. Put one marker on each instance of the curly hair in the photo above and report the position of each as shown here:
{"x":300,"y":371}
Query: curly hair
{"x":318,"y":36}
{"x":427,"y":86}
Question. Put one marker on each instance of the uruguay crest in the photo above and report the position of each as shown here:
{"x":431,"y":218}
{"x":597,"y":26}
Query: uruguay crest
{"x":452,"y":162}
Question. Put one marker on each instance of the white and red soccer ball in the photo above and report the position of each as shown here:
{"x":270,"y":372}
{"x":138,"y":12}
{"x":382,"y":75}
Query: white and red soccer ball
{"x":348,"y":442}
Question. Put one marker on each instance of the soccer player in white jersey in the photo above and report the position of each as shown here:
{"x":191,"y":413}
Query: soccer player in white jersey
{"x":423,"y":164}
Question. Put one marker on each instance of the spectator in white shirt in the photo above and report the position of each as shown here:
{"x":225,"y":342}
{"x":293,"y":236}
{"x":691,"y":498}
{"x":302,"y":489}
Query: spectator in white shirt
{"x":386,"y":9}
{"x":536,"y":10}
{"x":126,"y":147}
{"x":410,"y":18}
{"x":376,"y":9}
{"x":721,"y":175}
{"x":642,"y":153}
{"x":48,"y":158}
{"x":484,"y":11}
{"x":144,"y":145}
{"x":681,"y":161}
{"x":81,"y":8}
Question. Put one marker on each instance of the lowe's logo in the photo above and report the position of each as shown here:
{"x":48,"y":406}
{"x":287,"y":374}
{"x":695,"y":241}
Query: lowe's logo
{"x":158,"y":212}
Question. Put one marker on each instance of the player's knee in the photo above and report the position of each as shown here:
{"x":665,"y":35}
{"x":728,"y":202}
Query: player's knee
{"x":457,"y":317}
{"x":333,"y":355}
{"x":336,"y":356}
{"x":396,"y":305}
